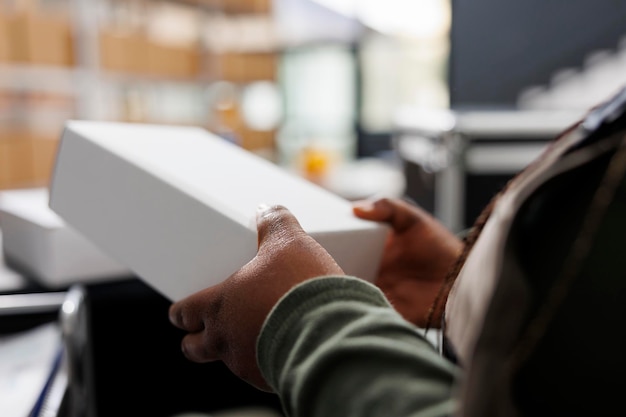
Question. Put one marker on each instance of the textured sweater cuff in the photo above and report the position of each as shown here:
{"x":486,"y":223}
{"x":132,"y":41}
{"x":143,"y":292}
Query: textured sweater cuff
{"x":300,"y":300}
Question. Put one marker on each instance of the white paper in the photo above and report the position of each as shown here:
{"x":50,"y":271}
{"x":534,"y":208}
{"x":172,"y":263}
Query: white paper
{"x":26,"y":359}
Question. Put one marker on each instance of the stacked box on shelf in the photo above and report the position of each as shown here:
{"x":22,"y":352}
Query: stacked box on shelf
{"x":257,"y":139}
{"x":123,"y":51}
{"x":29,"y":129}
{"x":244,"y":67}
{"x":26,"y":158}
{"x":132,"y":52}
{"x":237,"y":6}
{"x":5,"y":40}
{"x":40,"y":39}
{"x":173,"y":61}
{"x":44,"y":151}
{"x":16,"y":162}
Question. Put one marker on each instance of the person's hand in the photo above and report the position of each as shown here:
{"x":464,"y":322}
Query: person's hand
{"x":225,"y":320}
{"x":418,"y":255}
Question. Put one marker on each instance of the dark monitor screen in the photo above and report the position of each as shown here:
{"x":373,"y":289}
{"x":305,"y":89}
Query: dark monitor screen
{"x":499,"y":48}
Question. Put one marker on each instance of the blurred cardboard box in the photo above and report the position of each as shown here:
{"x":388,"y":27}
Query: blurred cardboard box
{"x":37,"y":243}
{"x":124,"y":51}
{"x":26,"y":158}
{"x":244,"y":67}
{"x":133,"y":52}
{"x":5,"y":37}
{"x":239,"y":6}
{"x":44,"y":153}
{"x":42,"y":39}
{"x":16,"y":159}
{"x":257,"y":139}
{"x":173,"y":61}
{"x":177,"y":205}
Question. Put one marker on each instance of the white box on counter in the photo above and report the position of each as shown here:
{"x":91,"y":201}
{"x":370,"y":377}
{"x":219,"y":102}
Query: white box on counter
{"x":177,"y":205}
{"x":40,"y":245}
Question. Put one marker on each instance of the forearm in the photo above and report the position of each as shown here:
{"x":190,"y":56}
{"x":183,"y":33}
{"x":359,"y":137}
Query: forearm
{"x":335,"y":347}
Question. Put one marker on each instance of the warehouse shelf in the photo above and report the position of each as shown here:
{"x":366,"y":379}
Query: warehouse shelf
{"x":60,"y":61}
{"x":39,"y":78}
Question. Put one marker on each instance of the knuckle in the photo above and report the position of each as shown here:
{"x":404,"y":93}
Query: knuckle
{"x":278,"y":222}
{"x":219,"y":345}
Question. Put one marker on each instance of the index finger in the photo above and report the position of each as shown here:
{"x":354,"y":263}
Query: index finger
{"x":398,"y":213}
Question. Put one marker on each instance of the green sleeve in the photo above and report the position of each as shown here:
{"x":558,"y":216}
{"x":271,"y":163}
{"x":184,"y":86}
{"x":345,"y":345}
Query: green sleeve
{"x":333,"y":346}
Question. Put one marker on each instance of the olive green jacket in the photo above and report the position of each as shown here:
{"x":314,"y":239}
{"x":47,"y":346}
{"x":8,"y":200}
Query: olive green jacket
{"x":334,"y":346}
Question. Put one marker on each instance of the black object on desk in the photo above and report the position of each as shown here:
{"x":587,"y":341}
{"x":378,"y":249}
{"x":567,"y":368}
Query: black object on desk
{"x":23,"y":310}
{"x":125,"y":359}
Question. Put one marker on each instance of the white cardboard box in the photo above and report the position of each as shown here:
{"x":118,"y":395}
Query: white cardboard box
{"x":43,"y":247}
{"x":177,"y":205}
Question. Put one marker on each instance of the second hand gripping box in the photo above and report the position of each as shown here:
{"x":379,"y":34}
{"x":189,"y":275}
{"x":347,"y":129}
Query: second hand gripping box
{"x":177,"y":205}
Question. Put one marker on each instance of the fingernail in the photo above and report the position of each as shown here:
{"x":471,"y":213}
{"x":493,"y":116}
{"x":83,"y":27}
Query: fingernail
{"x":364,"y":205}
{"x":261,"y":210}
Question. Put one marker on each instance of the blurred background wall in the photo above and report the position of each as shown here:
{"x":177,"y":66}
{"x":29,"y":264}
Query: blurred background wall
{"x":504,"y":52}
{"x":297,"y":81}
{"x":309,"y":84}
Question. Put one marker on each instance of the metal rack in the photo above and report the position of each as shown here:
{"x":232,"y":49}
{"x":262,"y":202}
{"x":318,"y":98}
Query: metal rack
{"x":455,"y":161}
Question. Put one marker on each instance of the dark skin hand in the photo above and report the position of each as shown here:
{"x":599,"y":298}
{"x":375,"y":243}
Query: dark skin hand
{"x":224,"y":321}
{"x":418,"y":255}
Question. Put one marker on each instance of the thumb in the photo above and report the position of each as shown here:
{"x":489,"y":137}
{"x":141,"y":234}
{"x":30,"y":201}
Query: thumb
{"x":275,"y":222}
